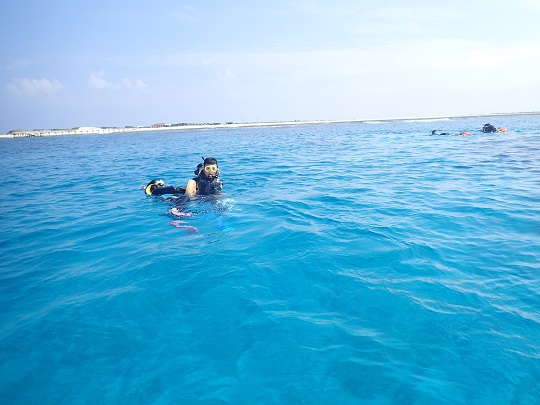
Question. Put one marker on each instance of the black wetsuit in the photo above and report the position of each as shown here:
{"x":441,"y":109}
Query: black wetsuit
{"x":168,"y":190}
{"x":488,"y":128}
{"x":207,"y":186}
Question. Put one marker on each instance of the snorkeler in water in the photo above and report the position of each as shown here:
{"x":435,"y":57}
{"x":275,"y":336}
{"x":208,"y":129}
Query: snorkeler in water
{"x":488,"y":129}
{"x":462,"y":133}
{"x":158,"y":187}
{"x":206,"y":182}
{"x":434,"y":132}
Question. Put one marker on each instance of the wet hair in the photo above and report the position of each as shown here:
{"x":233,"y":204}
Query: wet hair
{"x":207,"y":161}
{"x":210,"y":161}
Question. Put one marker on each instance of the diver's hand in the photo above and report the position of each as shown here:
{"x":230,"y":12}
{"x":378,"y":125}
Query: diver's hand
{"x":179,"y":213}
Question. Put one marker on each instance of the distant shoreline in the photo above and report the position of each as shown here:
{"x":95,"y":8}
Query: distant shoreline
{"x":167,"y":127}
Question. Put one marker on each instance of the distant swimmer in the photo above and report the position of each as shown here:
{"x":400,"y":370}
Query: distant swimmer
{"x":462,"y":133}
{"x":435,"y":132}
{"x":488,"y":128}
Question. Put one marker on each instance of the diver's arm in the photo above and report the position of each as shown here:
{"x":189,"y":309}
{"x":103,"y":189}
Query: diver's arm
{"x":191,"y":188}
{"x":167,"y":190}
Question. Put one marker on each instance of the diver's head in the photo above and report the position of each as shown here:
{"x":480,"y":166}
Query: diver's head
{"x":210,"y":168}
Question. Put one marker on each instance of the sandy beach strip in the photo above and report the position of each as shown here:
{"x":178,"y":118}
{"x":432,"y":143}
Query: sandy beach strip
{"x":167,"y":127}
{"x":95,"y":130}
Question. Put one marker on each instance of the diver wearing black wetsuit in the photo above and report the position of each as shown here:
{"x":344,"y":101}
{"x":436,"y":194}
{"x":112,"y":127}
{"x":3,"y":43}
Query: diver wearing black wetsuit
{"x":207,"y":182}
{"x":208,"y":186}
{"x":157,"y":187}
{"x":488,"y":128}
{"x":434,"y":132}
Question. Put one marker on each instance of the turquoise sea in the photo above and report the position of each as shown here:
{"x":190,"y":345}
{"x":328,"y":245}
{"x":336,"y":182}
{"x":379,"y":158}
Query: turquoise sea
{"x":346,"y":264}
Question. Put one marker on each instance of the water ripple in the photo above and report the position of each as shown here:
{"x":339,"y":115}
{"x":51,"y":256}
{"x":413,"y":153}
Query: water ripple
{"x":348,"y":263}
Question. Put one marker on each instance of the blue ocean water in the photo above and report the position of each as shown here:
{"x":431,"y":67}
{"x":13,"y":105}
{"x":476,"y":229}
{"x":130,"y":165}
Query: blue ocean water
{"x":347,"y":263}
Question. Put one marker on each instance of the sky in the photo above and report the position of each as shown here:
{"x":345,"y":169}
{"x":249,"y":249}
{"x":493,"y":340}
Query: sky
{"x":66,"y":64}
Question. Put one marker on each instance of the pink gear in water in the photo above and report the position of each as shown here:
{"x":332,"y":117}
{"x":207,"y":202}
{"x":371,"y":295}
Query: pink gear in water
{"x":190,"y":229}
{"x":179,"y":213}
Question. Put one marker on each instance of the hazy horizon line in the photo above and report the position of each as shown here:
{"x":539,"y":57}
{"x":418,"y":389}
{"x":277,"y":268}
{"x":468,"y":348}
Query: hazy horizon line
{"x":251,"y":123}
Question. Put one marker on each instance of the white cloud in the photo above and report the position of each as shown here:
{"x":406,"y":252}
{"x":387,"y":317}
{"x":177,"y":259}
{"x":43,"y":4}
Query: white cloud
{"x":393,"y":60}
{"x":35,"y":86}
{"x":226,"y":74}
{"x":400,"y":79}
{"x":129,"y":84}
{"x":139,"y":84}
{"x":97,"y":80}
